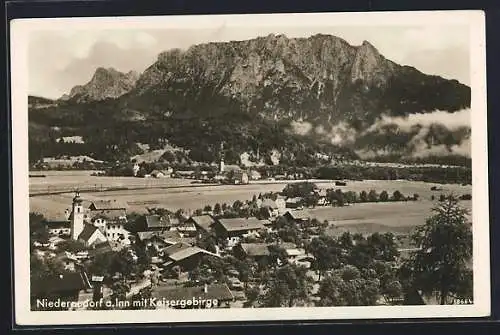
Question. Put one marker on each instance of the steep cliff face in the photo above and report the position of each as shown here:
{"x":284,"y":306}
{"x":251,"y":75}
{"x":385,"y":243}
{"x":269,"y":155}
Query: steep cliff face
{"x":321,"y":78}
{"x":296,"y":96}
{"x":105,"y":84}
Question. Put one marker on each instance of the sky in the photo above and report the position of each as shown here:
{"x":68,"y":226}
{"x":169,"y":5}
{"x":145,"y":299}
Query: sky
{"x":60,"y":59}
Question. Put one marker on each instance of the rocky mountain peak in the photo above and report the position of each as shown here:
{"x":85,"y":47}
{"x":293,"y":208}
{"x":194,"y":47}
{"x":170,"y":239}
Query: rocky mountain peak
{"x":105,"y":83}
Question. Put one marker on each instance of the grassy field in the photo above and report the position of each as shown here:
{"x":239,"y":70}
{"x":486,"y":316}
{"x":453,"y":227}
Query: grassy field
{"x":181,"y":194}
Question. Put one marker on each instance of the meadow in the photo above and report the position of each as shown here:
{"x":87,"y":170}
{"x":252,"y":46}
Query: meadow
{"x":180,"y":193}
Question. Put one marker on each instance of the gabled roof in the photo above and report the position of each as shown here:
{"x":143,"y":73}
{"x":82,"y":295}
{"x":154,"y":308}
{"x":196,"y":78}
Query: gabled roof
{"x":68,"y":281}
{"x":221,"y":292}
{"x":294,"y":200}
{"x":240,"y":224}
{"x":176,"y":248}
{"x":87,"y":232}
{"x":262,"y":249}
{"x":165,"y":235}
{"x":255,"y":249}
{"x":203,"y":221}
{"x":298,"y":215}
{"x":156,"y":221}
{"x":106,"y":205}
{"x":108,"y":214}
{"x":188,"y":252}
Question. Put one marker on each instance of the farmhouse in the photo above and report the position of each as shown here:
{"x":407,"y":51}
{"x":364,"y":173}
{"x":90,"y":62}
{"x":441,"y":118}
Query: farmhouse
{"x":160,"y":240}
{"x":294,"y":203}
{"x":202,"y":223}
{"x":187,"y":257}
{"x":156,"y":223}
{"x":58,"y":227}
{"x":298,"y":217}
{"x":91,"y":235}
{"x":107,"y":205}
{"x":232,"y":230}
{"x":67,"y":286}
{"x":258,"y":251}
{"x":198,"y":297}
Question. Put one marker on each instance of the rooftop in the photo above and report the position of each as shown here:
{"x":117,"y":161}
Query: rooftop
{"x":238,"y":224}
{"x":87,"y":232}
{"x":203,"y":221}
{"x":106,"y":205}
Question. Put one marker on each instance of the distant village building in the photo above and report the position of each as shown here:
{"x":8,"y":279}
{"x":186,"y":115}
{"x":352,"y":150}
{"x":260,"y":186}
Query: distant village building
{"x":184,"y":255}
{"x":203,"y":224}
{"x":232,"y":230}
{"x":294,"y":203}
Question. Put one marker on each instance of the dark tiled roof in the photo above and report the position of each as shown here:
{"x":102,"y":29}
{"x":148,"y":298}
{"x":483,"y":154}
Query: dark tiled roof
{"x":106,"y":205}
{"x":69,"y":281}
{"x":203,"y":221}
{"x":87,"y":232}
{"x":108,"y":214}
{"x":220,"y":292}
{"x":188,"y":252}
{"x":239,"y":224}
{"x":176,"y":248}
{"x":164,"y":235}
{"x":156,"y":221}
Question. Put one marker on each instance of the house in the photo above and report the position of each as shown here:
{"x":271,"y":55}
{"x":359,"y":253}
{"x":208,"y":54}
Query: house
{"x":202,"y":223}
{"x":58,"y":227}
{"x":299,"y":218}
{"x":232,"y":230}
{"x":256,"y":251}
{"x":197,"y":297}
{"x":103,"y":205}
{"x":156,"y":223}
{"x":160,"y":240}
{"x":91,"y":235}
{"x":271,"y":206}
{"x":294,"y":203}
{"x":187,"y":257}
{"x":99,"y":249}
{"x":66,"y":288}
{"x":238,"y":178}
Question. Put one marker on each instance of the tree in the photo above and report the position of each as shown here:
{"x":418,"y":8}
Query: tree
{"x":217,"y":209}
{"x":384,"y":196}
{"x":372,"y":196}
{"x":287,"y":286}
{"x":346,"y":287}
{"x":441,"y":265}
{"x":326,"y":253}
{"x":120,"y":290}
{"x":363,"y":196}
{"x":38,"y":228}
{"x":252,"y":294}
{"x":301,"y":189}
{"x":397,"y":196}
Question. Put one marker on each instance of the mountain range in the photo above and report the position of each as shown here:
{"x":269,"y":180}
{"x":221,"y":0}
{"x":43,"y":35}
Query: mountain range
{"x":269,"y":95}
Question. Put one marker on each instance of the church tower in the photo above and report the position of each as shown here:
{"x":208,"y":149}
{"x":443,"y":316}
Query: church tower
{"x":76,"y":217}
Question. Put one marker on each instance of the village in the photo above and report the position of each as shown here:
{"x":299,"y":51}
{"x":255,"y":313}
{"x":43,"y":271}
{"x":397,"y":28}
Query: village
{"x":221,"y":254}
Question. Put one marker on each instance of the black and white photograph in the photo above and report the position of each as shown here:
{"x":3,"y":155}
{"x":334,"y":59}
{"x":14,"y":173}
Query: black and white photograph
{"x":255,"y":167}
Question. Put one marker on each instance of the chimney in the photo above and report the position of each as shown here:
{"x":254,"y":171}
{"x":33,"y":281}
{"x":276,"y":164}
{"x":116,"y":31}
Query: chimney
{"x":205,"y":288}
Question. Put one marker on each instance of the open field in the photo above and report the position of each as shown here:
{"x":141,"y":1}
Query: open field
{"x":181,"y":194}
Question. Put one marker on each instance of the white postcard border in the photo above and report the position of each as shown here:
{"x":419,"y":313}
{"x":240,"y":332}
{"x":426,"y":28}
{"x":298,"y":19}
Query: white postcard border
{"x":20,"y":30}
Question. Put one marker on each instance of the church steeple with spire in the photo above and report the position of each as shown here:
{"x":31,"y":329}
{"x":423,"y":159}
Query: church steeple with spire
{"x":77,"y":215}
